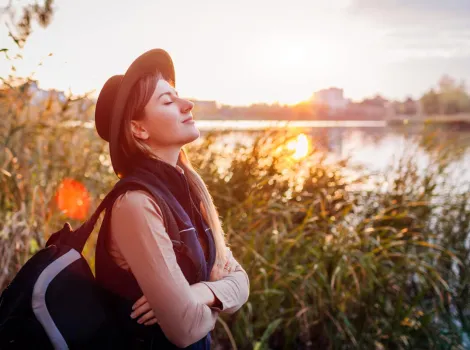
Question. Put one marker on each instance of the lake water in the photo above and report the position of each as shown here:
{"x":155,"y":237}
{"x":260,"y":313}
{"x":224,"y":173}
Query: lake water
{"x":373,"y":144}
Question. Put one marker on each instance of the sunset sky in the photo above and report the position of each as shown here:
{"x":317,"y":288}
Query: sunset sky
{"x":242,"y":52}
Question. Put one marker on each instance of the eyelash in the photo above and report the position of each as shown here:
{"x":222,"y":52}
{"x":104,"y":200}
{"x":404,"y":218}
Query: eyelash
{"x":168,"y":103}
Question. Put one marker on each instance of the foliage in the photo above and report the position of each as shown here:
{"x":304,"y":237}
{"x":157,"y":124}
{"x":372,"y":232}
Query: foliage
{"x":19,"y":29}
{"x":450,"y":98}
{"x":338,"y":258}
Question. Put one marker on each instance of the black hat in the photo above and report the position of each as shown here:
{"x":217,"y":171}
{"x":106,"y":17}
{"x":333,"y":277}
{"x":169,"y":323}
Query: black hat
{"x":115,"y":92}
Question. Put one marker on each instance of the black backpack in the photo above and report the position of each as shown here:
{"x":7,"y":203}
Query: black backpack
{"x":54,"y":302}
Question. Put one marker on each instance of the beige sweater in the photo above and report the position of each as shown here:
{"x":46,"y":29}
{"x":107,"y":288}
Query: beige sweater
{"x":139,"y":242}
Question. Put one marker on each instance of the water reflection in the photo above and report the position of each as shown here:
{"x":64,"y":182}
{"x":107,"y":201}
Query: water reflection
{"x":374,"y":146}
{"x":373,"y":143}
{"x":300,"y":146}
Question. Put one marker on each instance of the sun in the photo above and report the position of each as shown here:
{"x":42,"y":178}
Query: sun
{"x":293,"y":56}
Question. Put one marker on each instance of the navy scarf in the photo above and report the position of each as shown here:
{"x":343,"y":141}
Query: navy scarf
{"x":165,"y":181}
{"x":173,"y":187}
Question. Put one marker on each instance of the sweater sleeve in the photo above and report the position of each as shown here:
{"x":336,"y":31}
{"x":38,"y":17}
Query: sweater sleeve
{"x":232,"y":291}
{"x":139,"y":233}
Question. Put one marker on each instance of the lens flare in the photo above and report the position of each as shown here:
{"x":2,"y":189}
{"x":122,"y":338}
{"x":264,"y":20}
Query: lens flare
{"x":73,"y":199}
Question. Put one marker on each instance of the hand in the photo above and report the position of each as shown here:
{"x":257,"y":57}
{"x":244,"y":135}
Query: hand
{"x":142,"y":308}
{"x":219,"y":272}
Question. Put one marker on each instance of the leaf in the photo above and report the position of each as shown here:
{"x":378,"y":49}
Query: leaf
{"x":267,"y":333}
{"x":33,"y":246}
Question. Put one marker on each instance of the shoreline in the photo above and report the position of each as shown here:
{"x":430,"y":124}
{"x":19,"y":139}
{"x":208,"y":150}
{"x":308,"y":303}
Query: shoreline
{"x":258,"y":124}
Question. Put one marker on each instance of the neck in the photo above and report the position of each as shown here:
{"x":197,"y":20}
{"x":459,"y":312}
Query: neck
{"x":169,"y":156}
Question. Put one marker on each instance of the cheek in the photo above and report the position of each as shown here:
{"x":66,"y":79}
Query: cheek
{"x":164,"y":125}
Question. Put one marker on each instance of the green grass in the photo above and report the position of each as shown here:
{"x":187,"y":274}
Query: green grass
{"x":332,"y":265}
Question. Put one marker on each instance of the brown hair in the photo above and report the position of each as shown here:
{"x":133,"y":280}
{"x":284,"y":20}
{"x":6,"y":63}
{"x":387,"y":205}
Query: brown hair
{"x":138,"y":99}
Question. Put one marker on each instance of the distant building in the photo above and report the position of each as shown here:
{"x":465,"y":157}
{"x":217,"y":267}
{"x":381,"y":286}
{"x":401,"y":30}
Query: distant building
{"x":209,"y":105}
{"x":377,"y":101}
{"x":407,"y":107}
{"x":375,"y":108}
{"x":206,"y":109}
{"x":332,"y":97}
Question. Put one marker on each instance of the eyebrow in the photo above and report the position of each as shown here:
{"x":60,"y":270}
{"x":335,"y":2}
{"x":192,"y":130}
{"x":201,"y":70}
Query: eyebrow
{"x":168,"y":93}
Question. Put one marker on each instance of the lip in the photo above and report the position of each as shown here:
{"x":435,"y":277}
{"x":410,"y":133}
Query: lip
{"x":190,"y":119}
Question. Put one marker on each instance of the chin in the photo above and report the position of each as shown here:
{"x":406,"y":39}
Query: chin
{"x":193,"y":136}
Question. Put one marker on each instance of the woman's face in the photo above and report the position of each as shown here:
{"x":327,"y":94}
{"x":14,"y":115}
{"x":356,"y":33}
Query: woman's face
{"x":164,"y":115}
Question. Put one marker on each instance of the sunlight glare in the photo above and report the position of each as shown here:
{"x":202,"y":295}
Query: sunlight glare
{"x":300,"y":145}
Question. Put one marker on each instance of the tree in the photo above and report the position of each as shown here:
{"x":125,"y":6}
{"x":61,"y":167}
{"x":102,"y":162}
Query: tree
{"x":19,"y":29}
{"x":451,"y":98}
{"x":430,"y":102}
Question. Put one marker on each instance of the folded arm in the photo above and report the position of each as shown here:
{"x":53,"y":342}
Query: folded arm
{"x":138,"y":230}
{"x":232,"y":291}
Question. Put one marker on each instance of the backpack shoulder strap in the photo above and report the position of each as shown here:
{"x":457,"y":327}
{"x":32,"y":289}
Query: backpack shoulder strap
{"x":79,"y":237}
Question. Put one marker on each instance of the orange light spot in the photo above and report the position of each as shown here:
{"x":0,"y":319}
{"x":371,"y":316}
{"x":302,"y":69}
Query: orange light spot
{"x":73,"y":199}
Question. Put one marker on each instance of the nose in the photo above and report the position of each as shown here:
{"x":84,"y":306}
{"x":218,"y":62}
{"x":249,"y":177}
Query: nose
{"x":186,"y":105}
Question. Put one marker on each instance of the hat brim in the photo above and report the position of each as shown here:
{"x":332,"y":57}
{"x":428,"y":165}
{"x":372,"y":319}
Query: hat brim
{"x":151,"y":62}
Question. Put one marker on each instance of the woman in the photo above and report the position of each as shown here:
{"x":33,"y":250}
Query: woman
{"x":161,"y":299}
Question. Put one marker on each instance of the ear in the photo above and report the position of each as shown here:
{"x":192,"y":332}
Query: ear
{"x":138,"y":130}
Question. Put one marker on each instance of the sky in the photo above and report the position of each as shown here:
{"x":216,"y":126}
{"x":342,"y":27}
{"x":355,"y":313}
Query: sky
{"x":243,"y":52}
